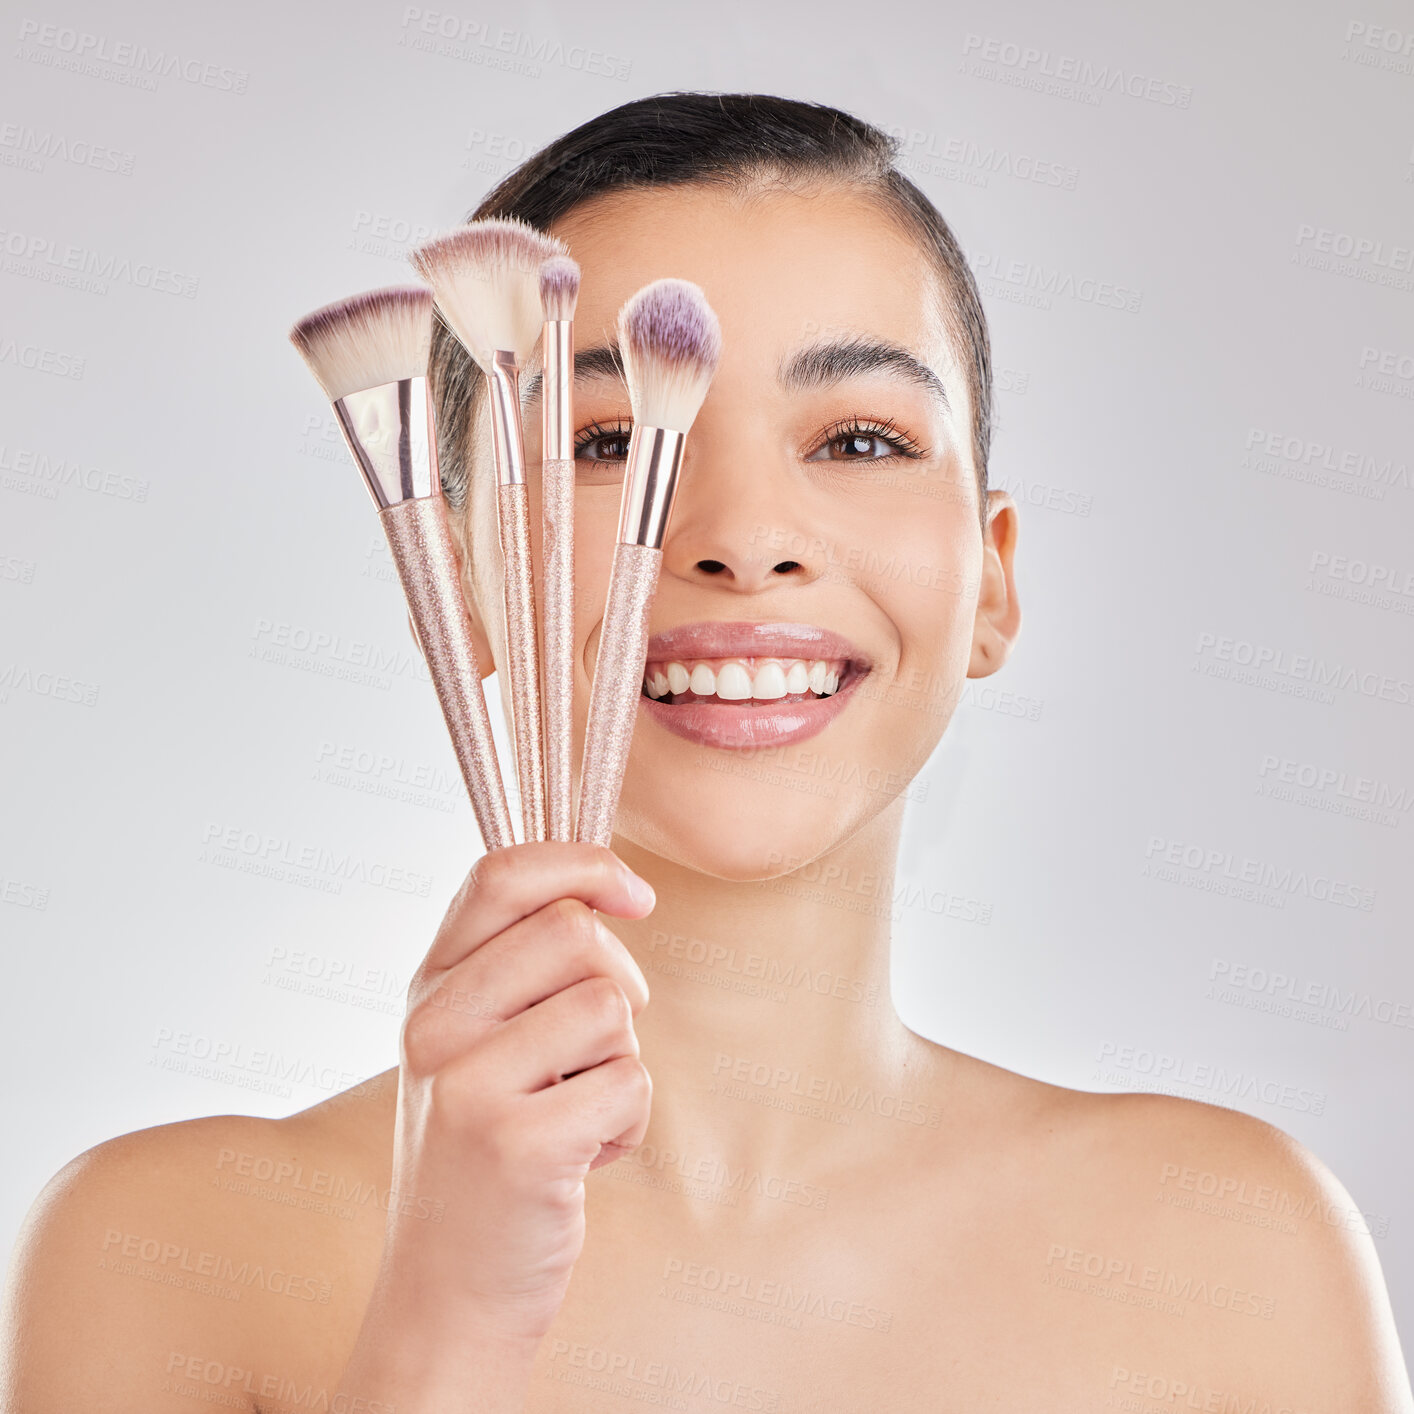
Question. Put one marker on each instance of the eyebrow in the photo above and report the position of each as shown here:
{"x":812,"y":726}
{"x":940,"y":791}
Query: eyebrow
{"x":818,"y":366}
{"x":602,"y":361}
{"x":824,"y":364}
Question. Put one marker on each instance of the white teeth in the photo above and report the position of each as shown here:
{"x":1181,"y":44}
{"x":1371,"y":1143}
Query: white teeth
{"x":770,"y":682}
{"x":733,"y":682}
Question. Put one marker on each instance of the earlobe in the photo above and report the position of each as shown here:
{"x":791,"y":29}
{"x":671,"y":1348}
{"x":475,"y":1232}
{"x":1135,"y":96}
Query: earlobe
{"x":998,"y":619}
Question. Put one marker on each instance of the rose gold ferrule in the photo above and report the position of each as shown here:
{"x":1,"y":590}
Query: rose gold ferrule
{"x":650,"y":483}
{"x":389,"y":432}
{"x":557,"y":414}
{"x":503,"y":381}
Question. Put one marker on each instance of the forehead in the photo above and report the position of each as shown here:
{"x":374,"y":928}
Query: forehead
{"x":783,"y":269}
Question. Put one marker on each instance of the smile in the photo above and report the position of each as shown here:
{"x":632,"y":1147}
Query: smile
{"x":735,"y":685}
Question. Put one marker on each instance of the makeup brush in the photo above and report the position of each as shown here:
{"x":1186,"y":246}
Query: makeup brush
{"x":369,"y":354}
{"x":486,"y":279}
{"x":669,"y":342}
{"x":559,"y":292}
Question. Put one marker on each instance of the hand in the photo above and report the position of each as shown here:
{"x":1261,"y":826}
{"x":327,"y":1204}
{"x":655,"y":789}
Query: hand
{"x":520,"y":1075}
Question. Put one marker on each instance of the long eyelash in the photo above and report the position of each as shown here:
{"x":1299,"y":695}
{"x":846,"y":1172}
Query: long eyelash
{"x":595,"y":430}
{"x":887,"y":431}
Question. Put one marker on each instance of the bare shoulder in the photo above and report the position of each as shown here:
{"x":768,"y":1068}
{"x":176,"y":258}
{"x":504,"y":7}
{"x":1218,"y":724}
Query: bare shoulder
{"x":186,"y":1242}
{"x":1234,"y":1228}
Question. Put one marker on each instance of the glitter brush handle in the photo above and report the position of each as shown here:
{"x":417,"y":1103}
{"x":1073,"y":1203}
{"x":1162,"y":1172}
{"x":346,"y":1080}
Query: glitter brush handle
{"x":557,"y":488}
{"x":523,"y":652}
{"x":422,"y":551}
{"x":618,"y":680}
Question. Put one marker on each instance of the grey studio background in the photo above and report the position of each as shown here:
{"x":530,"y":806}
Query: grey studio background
{"x":1166,"y":847}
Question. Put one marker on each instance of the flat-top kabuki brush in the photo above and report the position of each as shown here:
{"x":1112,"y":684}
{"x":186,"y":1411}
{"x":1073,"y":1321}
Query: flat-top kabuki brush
{"x":559,"y":292}
{"x":670,"y":343}
{"x":369,"y":354}
{"x":486,"y":279}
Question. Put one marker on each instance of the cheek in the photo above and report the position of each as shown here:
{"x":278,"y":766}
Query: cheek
{"x":917,"y":559}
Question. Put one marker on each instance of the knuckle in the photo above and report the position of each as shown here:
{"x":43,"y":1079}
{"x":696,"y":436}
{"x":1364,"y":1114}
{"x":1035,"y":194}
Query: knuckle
{"x":634,"y":1079}
{"x":421,"y":1040}
{"x":497,"y":869}
{"x":605,"y":1001}
{"x":573,"y":922}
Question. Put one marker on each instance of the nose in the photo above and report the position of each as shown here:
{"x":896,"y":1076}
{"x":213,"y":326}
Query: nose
{"x":735,"y":531}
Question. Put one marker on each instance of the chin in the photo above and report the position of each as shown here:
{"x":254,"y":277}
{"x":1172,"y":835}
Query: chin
{"x":734,"y":824}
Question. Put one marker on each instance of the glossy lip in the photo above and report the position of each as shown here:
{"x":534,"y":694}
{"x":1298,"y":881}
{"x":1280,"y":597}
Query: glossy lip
{"x":737,"y":725}
{"x":736,"y":639}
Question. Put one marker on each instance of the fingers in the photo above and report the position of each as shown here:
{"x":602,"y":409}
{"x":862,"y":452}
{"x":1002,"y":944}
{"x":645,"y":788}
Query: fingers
{"x":556,"y":947}
{"x":609,"y":1105}
{"x":497,"y":1087}
{"x":582,"y":1026}
{"x":510,"y":884}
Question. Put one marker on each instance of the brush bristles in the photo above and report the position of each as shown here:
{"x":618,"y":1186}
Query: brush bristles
{"x":364,"y":342}
{"x":559,"y":287}
{"x":670,"y":342}
{"x":486,"y":278}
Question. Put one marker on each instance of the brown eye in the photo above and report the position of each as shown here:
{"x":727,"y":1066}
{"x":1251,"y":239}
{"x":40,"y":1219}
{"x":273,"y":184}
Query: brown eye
{"x":854,"y":446}
{"x":606,"y":449}
{"x":602,"y":444}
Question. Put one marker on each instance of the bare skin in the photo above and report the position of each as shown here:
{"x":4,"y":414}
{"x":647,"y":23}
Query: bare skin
{"x":820,"y":1209}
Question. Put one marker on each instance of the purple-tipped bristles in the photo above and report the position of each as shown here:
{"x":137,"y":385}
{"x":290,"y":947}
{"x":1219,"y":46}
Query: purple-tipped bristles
{"x":670,"y":343}
{"x":559,"y":287}
{"x":670,"y":320}
{"x":378,"y":337}
{"x":337,"y":318}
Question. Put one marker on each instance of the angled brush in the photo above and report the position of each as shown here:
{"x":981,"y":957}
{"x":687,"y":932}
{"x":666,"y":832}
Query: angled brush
{"x":369,"y":354}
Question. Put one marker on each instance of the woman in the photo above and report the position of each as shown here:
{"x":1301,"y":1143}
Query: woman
{"x":824,"y":1210}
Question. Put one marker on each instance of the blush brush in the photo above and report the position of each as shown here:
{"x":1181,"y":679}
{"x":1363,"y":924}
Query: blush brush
{"x":559,"y":293}
{"x":486,"y":280}
{"x":369,"y":354}
{"x":670,"y":344}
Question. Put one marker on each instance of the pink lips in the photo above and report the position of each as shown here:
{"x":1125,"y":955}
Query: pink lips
{"x":728,"y":725}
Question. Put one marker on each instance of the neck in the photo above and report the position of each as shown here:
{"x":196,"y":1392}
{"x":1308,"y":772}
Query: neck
{"x":770,"y":1033}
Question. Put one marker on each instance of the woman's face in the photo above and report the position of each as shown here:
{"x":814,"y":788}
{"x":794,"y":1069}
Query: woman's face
{"x":828,"y":486}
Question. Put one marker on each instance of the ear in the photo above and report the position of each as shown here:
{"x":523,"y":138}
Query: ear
{"x":485,"y":659}
{"x":998,"y":621}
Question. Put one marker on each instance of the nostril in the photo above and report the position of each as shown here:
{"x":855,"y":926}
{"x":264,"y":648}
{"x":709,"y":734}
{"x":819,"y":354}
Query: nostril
{"x":786,"y":566}
{"x":711,"y":566}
